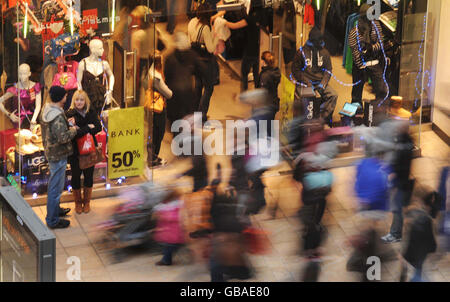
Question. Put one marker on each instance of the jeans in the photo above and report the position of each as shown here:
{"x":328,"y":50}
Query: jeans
{"x":328,"y":104}
{"x":203,"y":91}
{"x":376,"y":74}
{"x":168,"y":251}
{"x":171,"y":15}
{"x":397,"y":212}
{"x":55,"y":188}
{"x":247,"y":64}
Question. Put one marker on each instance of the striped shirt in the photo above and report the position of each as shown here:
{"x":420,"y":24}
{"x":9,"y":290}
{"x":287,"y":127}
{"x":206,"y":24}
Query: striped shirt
{"x":374,"y":40}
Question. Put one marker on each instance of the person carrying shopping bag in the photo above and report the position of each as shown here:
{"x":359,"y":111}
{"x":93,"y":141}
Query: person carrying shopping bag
{"x":84,"y":116}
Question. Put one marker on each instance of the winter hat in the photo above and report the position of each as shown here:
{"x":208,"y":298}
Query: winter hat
{"x":315,"y":34}
{"x":57,"y":93}
{"x":316,"y":38}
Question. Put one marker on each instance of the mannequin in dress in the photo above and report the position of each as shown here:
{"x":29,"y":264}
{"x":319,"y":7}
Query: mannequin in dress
{"x":30,"y":99}
{"x":95,"y":76}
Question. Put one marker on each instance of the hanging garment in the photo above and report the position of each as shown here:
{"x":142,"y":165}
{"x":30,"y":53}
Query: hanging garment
{"x":350,"y":23}
{"x":95,"y":87}
{"x":309,"y":15}
{"x":27,"y":100}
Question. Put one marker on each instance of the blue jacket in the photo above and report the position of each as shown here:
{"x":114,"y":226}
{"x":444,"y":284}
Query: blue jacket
{"x":372,"y":184}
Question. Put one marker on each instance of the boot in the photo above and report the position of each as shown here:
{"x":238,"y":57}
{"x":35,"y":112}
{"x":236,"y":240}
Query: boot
{"x":78,"y":201}
{"x":87,"y":200}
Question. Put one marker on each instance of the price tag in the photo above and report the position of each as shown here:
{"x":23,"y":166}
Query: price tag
{"x":125,"y":142}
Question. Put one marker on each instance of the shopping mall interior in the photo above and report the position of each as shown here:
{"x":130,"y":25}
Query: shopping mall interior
{"x":51,"y":43}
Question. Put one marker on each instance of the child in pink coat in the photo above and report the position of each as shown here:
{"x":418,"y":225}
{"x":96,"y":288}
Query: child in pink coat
{"x":169,"y":230}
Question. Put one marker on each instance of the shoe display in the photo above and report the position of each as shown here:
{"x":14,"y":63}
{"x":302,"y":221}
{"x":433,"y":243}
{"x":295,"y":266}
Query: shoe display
{"x":62,"y":224}
{"x":389,"y":238}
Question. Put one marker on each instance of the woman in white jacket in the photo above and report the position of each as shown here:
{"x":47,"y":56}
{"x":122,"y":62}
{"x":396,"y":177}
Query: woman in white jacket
{"x":204,"y":42}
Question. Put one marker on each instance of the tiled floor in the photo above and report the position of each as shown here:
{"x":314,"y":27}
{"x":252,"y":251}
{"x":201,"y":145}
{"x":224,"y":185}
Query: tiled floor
{"x":283,"y":263}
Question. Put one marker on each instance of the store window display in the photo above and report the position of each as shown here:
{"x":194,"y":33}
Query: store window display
{"x":312,"y":68}
{"x":30,"y":100}
{"x":96,"y":77}
{"x":366,"y":44}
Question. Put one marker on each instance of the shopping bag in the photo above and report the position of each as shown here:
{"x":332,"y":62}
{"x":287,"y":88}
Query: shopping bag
{"x":91,"y":159}
{"x":257,"y":241}
{"x":86,"y":144}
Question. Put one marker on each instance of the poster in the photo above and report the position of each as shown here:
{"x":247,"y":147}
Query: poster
{"x":286,"y":102}
{"x":125,"y":142}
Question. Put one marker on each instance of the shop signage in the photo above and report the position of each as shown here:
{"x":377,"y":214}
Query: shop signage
{"x":286,"y":101}
{"x":125,"y":142}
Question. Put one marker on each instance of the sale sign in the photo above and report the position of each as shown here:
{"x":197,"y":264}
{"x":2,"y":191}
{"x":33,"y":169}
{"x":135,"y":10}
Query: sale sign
{"x":125,"y":142}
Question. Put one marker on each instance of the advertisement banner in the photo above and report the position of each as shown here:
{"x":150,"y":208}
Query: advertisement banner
{"x":125,"y":142}
{"x":286,"y":102}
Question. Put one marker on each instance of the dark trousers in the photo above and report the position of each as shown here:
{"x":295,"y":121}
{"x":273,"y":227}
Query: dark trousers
{"x":314,"y":203}
{"x":376,"y":75}
{"x":159,"y":129}
{"x":397,"y":212}
{"x":328,"y":104}
{"x":247,"y":64}
{"x":76,"y":174}
{"x":168,"y":251}
{"x":203,"y":93}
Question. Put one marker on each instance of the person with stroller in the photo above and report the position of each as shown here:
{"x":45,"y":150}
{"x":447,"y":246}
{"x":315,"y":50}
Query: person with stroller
{"x":84,"y":116}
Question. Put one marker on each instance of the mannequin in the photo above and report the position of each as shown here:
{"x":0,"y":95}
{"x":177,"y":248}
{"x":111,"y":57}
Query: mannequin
{"x":95,"y":76}
{"x":30,"y":99}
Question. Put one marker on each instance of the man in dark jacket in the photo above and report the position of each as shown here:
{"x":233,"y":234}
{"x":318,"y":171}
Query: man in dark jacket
{"x":312,"y":67}
{"x":421,"y":240}
{"x":57,"y":139}
{"x":402,"y":185}
{"x":269,"y":78}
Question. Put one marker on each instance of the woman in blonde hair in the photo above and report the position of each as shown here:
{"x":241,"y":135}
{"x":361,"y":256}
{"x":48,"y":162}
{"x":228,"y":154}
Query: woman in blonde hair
{"x":81,"y":114}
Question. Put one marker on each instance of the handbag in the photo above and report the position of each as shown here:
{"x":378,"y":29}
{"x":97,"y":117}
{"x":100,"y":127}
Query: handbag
{"x":86,"y":144}
{"x":91,"y":159}
{"x":257,"y":241}
{"x":154,"y":101}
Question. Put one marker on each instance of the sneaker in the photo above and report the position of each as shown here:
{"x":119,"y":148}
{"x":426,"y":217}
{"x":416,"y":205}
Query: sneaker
{"x":63,"y":212}
{"x":62,"y":224}
{"x":389,"y":238}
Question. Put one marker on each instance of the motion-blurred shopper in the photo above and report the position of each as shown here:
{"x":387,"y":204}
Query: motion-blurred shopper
{"x":157,"y":92}
{"x":251,"y":48}
{"x":269,"y":79}
{"x":204,"y":43}
{"x":401,"y":184}
{"x":169,"y":230}
{"x":421,"y":240}
{"x":180,"y":68}
{"x":228,"y":259}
